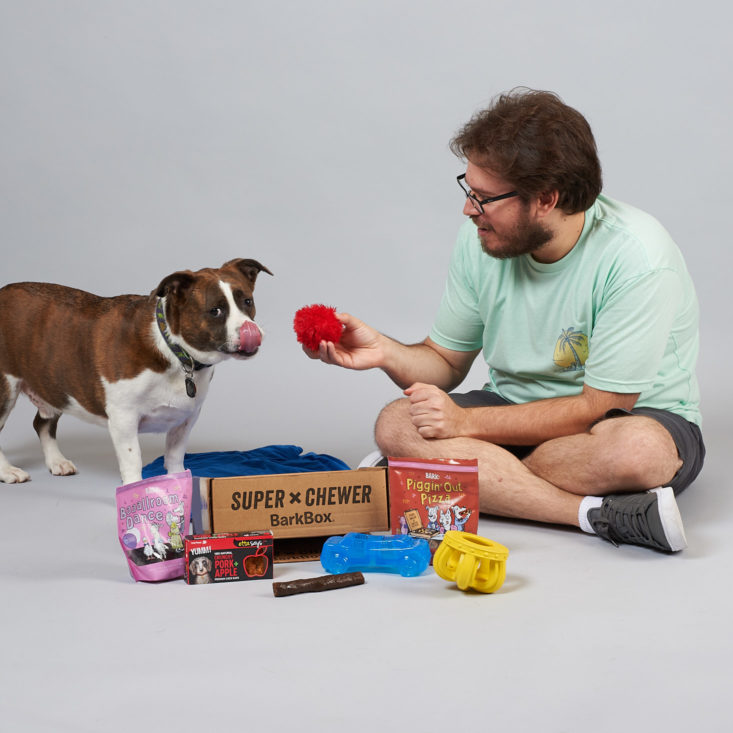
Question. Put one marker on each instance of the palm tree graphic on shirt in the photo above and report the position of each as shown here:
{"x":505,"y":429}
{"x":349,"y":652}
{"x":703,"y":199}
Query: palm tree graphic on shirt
{"x":571,"y":350}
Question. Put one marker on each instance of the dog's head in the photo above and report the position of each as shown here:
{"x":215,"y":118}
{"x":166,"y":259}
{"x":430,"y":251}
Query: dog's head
{"x":459,"y":511}
{"x":211,"y":311}
{"x":200,"y":565}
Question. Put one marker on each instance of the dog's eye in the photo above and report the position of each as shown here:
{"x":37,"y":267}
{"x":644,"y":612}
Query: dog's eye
{"x":216,"y":312}
{"x":248,"y":302}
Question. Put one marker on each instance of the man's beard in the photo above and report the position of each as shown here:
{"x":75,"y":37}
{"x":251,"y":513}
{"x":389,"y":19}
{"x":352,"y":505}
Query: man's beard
{"x":526,"y":237}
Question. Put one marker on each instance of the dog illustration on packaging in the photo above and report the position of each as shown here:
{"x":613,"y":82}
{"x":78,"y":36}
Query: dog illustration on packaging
{"x":445,"y":520}
{"x":460,"y":517}
{"x":200,"y":569}
{"x":432,"y":517}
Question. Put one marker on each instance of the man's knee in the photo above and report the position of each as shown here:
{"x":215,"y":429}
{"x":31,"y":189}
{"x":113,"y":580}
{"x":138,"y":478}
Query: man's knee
{"x":392,"y":426}
{"x":641,"y":449}
{"x":618,"y":454}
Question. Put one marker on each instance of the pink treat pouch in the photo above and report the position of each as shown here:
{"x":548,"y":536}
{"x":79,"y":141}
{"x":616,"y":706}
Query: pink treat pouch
{"x":152,"y":519}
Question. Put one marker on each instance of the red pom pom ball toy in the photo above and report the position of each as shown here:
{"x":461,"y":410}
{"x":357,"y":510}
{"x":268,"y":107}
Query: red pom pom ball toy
{"x":315,"y":323}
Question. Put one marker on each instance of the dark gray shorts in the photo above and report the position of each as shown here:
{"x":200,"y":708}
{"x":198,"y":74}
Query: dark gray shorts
{"x":686,"y":435}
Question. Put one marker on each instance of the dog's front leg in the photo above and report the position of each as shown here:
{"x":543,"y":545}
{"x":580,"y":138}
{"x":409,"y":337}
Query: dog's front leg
{"x":123,"y":428}
{"x":175,"y":444}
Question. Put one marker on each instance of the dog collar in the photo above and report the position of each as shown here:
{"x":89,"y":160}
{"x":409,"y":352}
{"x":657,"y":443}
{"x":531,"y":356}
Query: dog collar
{"x":189,"y":364}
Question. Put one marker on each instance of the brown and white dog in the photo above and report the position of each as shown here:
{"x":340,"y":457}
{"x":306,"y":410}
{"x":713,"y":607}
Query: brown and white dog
{"x":133,"y":363}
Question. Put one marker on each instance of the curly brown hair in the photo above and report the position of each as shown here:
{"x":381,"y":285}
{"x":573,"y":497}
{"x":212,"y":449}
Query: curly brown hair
{"x":538,"y":144}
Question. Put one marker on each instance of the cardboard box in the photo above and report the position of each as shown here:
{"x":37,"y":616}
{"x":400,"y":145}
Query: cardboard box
{"x":227,"y":557}
{"x":300,"y":509}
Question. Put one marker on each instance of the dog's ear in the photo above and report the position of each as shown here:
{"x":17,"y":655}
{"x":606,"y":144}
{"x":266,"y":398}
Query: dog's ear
{"x":176,"y":283}
{"x":249,"y":268}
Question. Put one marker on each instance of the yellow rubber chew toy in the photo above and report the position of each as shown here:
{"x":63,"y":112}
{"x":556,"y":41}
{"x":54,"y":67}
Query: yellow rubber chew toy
{"x":471,"y":561}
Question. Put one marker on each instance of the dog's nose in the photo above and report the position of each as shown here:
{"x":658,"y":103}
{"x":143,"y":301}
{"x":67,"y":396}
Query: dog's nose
{"x":250,"y":337}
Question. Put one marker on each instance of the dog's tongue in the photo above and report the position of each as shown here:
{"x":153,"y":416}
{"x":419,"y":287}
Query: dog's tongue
{"x":250,"y":337}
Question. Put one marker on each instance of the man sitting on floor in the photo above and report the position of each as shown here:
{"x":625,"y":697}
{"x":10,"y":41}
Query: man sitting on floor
{"x":588,"y":322}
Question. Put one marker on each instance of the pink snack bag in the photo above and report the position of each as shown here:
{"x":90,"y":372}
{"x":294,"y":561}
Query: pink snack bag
{"x":152,"y":519}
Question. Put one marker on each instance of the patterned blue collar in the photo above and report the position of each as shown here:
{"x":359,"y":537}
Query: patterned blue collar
{"x":189,"y":364}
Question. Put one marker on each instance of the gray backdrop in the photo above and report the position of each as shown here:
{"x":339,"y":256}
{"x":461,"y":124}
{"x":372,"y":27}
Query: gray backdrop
{"x":138,"y":138}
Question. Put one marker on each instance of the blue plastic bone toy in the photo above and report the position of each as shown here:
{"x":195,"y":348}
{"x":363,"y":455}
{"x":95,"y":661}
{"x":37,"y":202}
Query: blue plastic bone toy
{"x":408,"y":556}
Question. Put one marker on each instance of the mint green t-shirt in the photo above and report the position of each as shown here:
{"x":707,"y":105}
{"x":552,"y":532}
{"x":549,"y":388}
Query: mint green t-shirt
{"x":618,"y":312}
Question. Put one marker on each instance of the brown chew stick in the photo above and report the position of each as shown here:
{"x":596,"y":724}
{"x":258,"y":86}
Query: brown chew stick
{"x":313,"y":585}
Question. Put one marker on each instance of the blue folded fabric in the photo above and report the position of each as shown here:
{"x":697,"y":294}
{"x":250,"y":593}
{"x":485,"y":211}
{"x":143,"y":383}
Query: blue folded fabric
{"x":265,"y":460}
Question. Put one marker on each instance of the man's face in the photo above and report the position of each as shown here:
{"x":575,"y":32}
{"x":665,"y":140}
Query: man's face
{"x":507,"y":228}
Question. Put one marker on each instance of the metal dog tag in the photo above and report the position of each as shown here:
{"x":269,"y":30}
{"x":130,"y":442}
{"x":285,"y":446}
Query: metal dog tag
{"x":190,"y":387}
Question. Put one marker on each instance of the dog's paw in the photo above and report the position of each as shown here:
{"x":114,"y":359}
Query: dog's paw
{"x":62,"y":468}
{"x":13,"y":475}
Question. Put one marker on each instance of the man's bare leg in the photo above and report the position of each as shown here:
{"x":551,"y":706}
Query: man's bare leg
{"x":506,"y":486}
{"x":619,"y":454}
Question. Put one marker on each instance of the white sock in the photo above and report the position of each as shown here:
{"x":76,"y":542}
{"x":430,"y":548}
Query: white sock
{"x":589,"y":502}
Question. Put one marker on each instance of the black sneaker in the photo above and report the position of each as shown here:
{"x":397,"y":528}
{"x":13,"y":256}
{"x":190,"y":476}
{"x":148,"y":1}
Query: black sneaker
{"x":651,"y":519}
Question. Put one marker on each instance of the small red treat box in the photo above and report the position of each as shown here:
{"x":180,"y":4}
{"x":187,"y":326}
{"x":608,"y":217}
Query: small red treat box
{"x":228,"y":556}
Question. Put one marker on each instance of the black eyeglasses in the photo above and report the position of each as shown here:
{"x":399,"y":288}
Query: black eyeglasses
{"x":479,"y":203}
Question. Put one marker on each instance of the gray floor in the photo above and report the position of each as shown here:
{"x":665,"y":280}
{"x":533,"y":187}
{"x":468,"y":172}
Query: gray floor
{"x":581,"y":636}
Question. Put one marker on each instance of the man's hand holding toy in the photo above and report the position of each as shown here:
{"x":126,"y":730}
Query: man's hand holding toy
{"x":337,"y":338}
